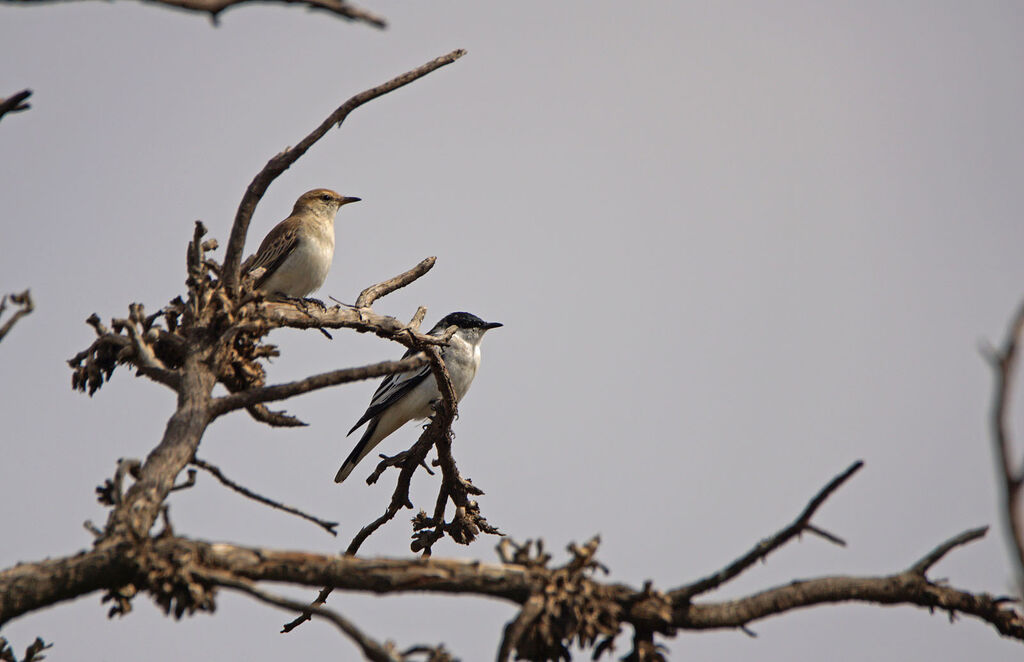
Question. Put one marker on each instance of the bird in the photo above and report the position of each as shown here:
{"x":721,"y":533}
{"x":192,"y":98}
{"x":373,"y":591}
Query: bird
{"x":296,"y":254}
{"x":407,"y":396}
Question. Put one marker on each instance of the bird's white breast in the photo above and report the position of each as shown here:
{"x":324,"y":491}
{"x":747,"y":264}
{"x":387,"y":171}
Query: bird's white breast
{"x":306,"y":268}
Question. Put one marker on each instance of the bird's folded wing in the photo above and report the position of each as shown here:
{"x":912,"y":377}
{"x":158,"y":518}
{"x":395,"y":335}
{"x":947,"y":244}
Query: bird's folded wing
{"x":392,"y":389}
{"x":273,"y":251}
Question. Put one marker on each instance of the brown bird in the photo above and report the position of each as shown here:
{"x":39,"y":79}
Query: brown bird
{"x":296,"y":255}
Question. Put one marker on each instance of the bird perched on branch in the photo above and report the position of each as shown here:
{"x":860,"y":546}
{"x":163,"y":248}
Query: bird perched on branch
{"x":408,"y":396}
{"x":296,"y":255}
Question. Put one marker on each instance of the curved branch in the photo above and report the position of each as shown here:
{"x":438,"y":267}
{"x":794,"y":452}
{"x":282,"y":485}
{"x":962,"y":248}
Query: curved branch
{"x":902,"y":589}
{"x":254,"y":192}
{"x":24,"y":300}
{"x":372,"y":650}
{"x":374,"y":292}
{"x":768,"y":545}
{"x":214,"y":8}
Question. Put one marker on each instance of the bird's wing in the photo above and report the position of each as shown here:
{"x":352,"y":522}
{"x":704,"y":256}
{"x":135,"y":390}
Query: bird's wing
{"x":392,"y":389}
{"x":276,"y":246}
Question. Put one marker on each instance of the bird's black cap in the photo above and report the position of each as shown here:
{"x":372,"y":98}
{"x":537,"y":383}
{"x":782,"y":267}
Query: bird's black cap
{"x":466,"y":321}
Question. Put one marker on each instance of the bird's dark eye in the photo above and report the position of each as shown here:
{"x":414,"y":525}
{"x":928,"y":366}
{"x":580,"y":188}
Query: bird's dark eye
{"x":325,"y":197}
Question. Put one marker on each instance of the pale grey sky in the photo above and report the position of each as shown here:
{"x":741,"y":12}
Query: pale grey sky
{"x":736,"y":246}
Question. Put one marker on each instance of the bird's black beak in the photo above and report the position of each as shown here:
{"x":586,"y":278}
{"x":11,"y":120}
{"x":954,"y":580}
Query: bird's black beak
{"x":493,"y":325}
{"x":345,"y":201}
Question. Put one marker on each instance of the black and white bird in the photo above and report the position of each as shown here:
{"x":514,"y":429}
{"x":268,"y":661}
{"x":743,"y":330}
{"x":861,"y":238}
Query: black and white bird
{"x":409,"y":396}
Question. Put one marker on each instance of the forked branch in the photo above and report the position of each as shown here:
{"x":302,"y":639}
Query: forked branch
{"x":281,"y":162}
{"x":768,"y":545}
{"x":25,"y":306}
{"x":15,"y":103}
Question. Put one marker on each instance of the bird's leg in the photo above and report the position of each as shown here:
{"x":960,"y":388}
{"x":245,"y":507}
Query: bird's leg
{"x":302,"y":303}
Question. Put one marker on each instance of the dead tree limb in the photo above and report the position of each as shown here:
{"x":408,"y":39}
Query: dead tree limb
{"x":213,"y":470}
{"x":25,"y":306}
{"x":340,"y":8}
{"x":1011,"y":478}
{"x":768,"y":545}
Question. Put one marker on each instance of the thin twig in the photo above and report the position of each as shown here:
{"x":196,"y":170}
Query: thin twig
{"x":933,"y":557}
{"x":371,"y":649}
{"x":27,"y":306}
{"x":374,"y":292}
{"x":276,"y":419}
{"x":330,"y":527}
{"x":399,"y":500}
{"x":278,"y":164}
{"x":768,"y":545}
{"x":15,"y":103}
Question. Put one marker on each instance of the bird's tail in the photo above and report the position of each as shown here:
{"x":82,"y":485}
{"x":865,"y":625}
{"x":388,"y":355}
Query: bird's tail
{"x":362,"y":449}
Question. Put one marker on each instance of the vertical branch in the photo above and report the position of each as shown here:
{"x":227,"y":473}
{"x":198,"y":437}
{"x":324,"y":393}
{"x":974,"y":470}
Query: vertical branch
{"x":1004,"y":362}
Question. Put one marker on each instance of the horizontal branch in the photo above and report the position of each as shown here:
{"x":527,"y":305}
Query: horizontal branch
{"x":228,"y":403}
{"x":903,"y":589}
{"x":214,"y":8}
{"x":285,"y":314}
{"x":34,"y":585}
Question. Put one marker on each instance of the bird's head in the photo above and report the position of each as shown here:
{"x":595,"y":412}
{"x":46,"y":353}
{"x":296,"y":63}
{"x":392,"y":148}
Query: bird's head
{"x":470,"y":327}
{"x":321,"y":201}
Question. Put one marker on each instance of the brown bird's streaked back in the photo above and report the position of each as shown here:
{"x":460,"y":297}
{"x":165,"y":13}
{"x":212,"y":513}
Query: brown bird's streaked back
{"x":296,"y":254}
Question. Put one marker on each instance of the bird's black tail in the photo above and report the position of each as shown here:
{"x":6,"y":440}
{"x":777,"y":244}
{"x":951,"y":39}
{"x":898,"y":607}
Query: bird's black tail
{"x":361,"y":450}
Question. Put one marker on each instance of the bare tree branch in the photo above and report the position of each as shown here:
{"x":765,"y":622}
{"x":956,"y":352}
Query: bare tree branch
{"x":15,"y":103}
{"x":934,"y":556}
{"x":214,"y":8}
{"x":372,"y":650}
{"x":281,"y":162}
{"x":24,"y":300}
{"x":909,"y":587}
{"x":229,"y":403}
{"x":374,"y":292}
{"x":180,"y":573}
{"x":768,"y":545}
{"x":1004,"y":363}
{"x":330,"y":527}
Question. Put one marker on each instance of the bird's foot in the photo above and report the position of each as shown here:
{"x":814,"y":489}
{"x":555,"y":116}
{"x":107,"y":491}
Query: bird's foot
{"x":303,"y":304}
